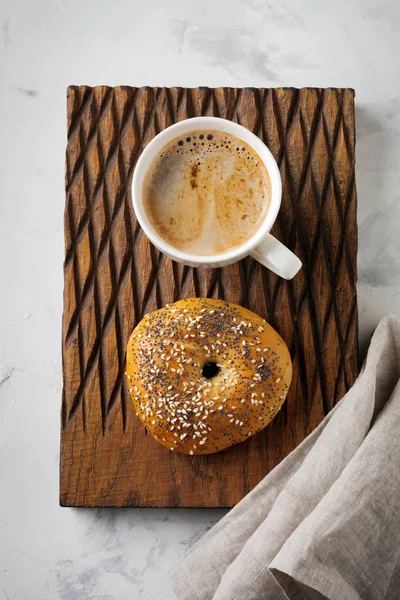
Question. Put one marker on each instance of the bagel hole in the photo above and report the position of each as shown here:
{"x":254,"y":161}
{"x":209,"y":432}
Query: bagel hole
{"x":210,"y":370}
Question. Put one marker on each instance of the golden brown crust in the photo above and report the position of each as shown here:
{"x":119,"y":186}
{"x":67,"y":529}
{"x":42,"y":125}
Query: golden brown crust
{"x":182,"y":409}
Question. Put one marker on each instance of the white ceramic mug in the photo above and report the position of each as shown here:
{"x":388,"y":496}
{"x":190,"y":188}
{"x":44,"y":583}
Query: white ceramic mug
{"x":262,"y":245}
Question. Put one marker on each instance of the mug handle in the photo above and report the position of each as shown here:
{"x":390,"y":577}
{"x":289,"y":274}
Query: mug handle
{"x":271,"y":253}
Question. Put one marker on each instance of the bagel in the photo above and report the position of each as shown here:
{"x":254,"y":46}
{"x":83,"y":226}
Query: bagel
{"x":205,"y":374}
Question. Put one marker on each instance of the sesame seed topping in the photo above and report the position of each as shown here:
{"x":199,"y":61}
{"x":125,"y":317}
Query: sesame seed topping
{"x":179,"y":401}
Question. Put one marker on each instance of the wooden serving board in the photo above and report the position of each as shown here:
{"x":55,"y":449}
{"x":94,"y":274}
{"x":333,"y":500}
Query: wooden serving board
{"x":113,"y":276}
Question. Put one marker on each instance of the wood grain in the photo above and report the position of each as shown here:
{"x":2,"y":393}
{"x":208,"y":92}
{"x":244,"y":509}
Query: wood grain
{"x":113,"y":276}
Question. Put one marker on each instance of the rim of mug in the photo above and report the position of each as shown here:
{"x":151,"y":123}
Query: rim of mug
{"x":154,"y":148}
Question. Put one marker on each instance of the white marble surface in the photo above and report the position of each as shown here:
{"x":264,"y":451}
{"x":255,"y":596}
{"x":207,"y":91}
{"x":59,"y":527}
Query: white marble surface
{"x":62,"y":554}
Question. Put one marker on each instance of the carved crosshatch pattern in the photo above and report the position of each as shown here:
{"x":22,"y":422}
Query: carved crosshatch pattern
{"x":113,"y":276}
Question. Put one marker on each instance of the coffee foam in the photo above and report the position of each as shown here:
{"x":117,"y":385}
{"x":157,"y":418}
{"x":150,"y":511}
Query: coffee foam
{"x":207,"y":192}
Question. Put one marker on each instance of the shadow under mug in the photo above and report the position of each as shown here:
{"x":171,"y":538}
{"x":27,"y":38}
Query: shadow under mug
{"x":262,"y":245}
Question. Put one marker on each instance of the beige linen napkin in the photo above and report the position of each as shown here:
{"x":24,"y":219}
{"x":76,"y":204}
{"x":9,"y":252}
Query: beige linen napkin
{"x":325,"y":523}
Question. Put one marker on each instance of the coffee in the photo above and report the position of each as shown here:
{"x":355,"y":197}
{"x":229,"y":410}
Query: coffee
{"x":206,"y":192}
